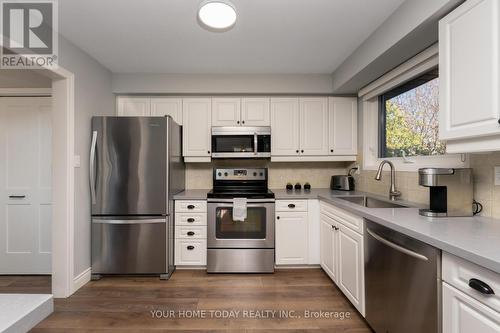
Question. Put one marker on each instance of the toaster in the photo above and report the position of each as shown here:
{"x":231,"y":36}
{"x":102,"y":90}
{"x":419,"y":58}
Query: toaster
{"x":342,"y":183}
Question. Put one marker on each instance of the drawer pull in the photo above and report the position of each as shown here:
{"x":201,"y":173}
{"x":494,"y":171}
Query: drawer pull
{"x":190,"y":233}
{"x":291,"y":206}
{"x":17,"y":196}
{"x":190,"y":247}
{"x":190,"y":207}
{"x":190,"y":220}
{"x":480,"y":286}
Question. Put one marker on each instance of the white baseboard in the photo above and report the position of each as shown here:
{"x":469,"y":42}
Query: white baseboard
{"x":81,"y":280}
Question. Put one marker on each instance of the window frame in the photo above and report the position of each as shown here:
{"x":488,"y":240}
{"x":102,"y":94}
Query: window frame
{"x":396,"y":91}
{"x":369,"y":105}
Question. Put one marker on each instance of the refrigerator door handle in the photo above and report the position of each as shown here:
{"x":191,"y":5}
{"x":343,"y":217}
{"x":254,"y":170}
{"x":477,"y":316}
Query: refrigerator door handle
{"x":93,"y":147}
{"x":126,"y":221}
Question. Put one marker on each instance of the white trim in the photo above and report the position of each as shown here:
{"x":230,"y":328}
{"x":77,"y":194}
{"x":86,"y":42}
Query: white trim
{"x":82,"y":279}
{"x":333,"y":158}
{"x":417,"y":65}
{"x":19,"y":92}
{"x":190,"y":159}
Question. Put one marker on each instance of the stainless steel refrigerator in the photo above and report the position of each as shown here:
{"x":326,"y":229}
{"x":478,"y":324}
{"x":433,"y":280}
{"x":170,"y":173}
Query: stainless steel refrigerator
{"x":136,"y":167}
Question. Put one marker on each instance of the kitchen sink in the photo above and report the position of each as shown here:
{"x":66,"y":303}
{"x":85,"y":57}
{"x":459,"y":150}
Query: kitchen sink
{"x":371,"y":202}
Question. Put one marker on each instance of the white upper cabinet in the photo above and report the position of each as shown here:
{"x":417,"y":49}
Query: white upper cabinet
{"x":342,"y":125}
{"x":226,"y":112}
{"x":255,"y":111}
{"x":285,"y":126}
{"x":313,"y":126}
{"x":196,"y":134}
{"x":133,"y":106}
{"x":167,"y":106}
{"x":469,"y":72}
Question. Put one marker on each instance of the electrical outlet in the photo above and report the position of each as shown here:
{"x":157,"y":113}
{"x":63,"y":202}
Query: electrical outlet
{"x":497,"y":175}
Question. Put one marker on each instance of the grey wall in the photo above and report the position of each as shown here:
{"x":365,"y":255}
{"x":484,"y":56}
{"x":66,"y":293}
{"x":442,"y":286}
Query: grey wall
{"x":21,"y":78}
{"x":410,"y":29}
{"x":93,"y":96}
{"x":147,"y":83}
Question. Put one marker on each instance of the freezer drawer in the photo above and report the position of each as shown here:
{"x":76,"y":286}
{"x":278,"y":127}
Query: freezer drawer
{"x":129,"y":246}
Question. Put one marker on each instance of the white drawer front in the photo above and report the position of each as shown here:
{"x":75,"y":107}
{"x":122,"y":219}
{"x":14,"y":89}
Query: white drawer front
{"x":191,"y":252}
{"x":190,"y":232}
{"x":191,"y":219}
{"x":199,"y":206}
{"x":351,"y":221}
{"x":291,"y":205}
{"x":458,"y":272}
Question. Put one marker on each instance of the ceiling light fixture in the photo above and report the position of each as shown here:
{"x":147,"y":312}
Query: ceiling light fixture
{"x":217,"y":15}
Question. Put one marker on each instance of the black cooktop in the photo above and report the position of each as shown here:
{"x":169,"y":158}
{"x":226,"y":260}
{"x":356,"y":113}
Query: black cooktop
{"x":240,"y":194}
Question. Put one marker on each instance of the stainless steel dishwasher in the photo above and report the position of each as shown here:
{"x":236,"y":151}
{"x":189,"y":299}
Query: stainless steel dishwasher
{"x":402,"y":282}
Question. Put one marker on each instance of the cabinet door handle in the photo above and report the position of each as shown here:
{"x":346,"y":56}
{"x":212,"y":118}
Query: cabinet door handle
{"x":331,"y":150}
{"x":17,"y":196}
{"x":190,"y":207}
{"x":190,"y":233}
{"x":291,"y":206}
{"x":243,"y":122}
{"x":499,"y":121}
{"x":481,"y":286}
{"x":190,"y":247}
{"x":302,"y":151}
{"x":238,"y":122}
{"x":277,"y":217}
{"x":297,"y":151}
{"x":335,"y":228}
{"x":190,"y":220}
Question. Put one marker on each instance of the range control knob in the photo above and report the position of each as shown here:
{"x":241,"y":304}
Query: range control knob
{"x":262,"y":174}
{"x":255,"y":174}
{"x":225,"y":174}
{"x":220,"y":174}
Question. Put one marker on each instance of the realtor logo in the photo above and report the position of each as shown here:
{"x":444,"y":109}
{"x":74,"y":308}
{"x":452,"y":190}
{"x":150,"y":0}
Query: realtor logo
{"x":28,"y":34}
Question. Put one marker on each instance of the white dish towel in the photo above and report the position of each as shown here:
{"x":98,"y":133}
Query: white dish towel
{"x":239,"y":209}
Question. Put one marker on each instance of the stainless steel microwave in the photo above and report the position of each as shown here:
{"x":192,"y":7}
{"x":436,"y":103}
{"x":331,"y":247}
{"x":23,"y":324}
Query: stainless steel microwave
{"x":241,"y":142}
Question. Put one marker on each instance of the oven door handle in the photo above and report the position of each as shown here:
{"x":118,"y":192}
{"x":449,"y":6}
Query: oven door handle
{"x":255,"y":143}
{"x":250,"y":201}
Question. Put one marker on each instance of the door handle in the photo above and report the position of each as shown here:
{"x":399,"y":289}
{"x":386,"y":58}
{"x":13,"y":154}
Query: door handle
{"x":291,"y":206}
{"x":255,"y":143}
{"x":190,"y":233}
{"x":17,"y":196}
{"x":93,"y":147}
{"x":481,"y":286}
{"x":396,"y":246}
{"x":190,"y":220}
{"x":190,"y":247}
{"x":190,"y":207}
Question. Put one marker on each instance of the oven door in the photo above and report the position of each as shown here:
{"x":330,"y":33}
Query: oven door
{"x":241,"y":142}
{"x":257,"y":231}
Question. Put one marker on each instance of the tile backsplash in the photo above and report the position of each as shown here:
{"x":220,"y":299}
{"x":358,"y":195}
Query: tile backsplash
{"x":199,"y":175}
{"x":485,"y":191}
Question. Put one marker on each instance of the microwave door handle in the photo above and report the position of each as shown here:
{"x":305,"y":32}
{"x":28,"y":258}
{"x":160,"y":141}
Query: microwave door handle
{"x":255,"y":143}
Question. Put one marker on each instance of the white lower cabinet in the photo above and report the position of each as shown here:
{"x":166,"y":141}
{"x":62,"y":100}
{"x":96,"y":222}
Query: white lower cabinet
{"x":463,"y":314}
{"x":342,"y":252}
{"x":291,"y":238}
{"x":190,"y":233}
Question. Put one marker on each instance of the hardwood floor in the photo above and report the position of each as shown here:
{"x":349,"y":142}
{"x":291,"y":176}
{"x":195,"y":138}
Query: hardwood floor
{"x":124,"y":304}
{"x":25,"y":284}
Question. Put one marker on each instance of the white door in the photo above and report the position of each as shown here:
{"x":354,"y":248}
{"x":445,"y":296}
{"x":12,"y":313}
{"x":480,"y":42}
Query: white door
{"x":25,"y":185}
{"x":226,"y":111}
{"x":469,"y":70}
{"x":314,"y":126}
{"x":196,"y":119}
{"x":463,"y":314}
{"x":133,"y":106}
{"x":169,"y":106}
{"x":255,"y":111}
{"x":327,"y":245}
{"x":285,"y":127}
{"x":351,"y":266}
{"x":342,"y":125}
{"x":291,"y":238}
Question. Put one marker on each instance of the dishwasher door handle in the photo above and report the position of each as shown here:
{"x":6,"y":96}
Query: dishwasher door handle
{"x":396,"y":246}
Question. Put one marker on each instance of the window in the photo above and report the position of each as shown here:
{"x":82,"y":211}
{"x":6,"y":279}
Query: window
{"x":409,"y":119}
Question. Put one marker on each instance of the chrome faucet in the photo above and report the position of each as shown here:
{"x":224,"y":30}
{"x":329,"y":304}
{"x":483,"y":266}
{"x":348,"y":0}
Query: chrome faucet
{"x":393,"y":193}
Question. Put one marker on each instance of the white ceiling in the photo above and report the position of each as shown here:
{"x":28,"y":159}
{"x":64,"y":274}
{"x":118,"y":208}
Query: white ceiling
{"x":270,"y":36}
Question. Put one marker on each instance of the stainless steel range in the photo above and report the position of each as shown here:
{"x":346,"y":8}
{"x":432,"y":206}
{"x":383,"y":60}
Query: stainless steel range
{"x":240,"y":246}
